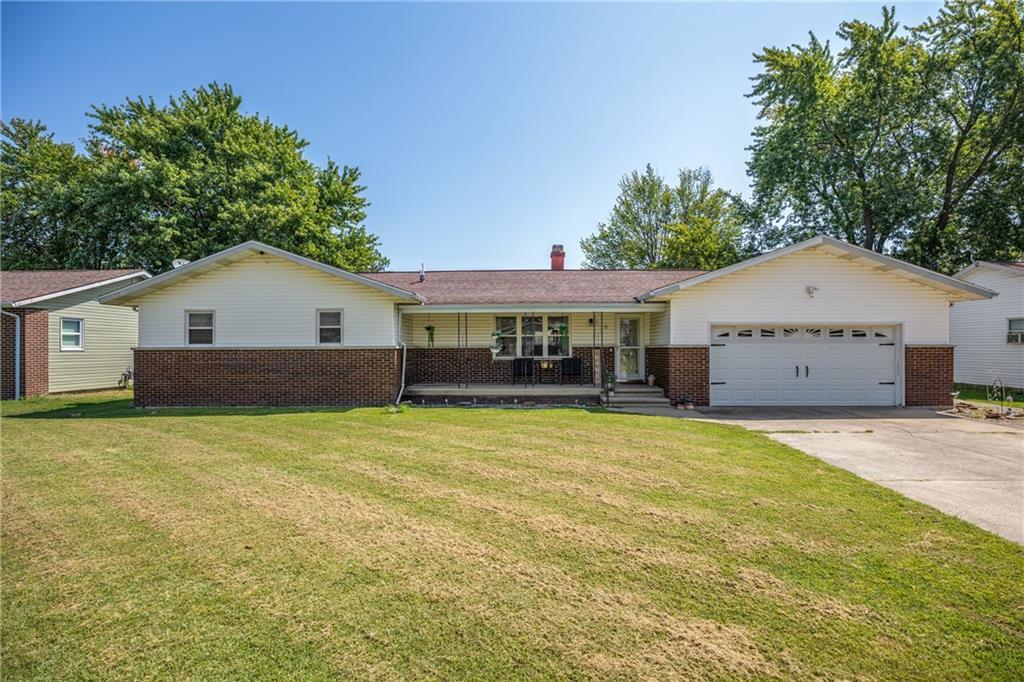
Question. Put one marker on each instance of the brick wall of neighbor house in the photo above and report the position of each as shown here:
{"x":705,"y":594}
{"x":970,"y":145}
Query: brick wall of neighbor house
{"x":929,"y":375}
{"x":266,"y":376}
{"x":35,"y":353}
{"x":681,"y":371}
{"x":476,"y":365}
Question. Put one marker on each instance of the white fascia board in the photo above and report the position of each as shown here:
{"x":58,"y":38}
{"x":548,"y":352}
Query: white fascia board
{"x":75,"y":290}
{"x":126,"y":295}
{"x":535,"y":308}
{"x":942,"y":282}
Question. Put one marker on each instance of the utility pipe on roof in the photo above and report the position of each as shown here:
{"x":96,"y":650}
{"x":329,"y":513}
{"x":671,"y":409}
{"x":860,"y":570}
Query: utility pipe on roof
{"x":17,"y":353}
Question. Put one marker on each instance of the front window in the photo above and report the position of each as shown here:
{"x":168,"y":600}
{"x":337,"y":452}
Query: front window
{"x":1015,"y":330}
{"x":199,"y":326}
{"x":532,"y":336}
{"x":72,"y":335}
{"x":328,"y":326}
{"x":558,"y":336}
{"x":505,"y":339}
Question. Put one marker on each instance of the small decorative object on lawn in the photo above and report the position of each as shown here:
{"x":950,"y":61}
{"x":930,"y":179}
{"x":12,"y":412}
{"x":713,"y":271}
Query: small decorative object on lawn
{"x":430,"y":335}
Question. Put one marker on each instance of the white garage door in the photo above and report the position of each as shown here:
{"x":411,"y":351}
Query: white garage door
{"x":801,"y":365}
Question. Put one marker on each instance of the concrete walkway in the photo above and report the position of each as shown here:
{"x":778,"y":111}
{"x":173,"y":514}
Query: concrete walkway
{"x":972,"y":469}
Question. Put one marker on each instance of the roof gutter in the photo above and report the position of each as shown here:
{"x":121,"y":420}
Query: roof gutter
{"x":535,"y":307}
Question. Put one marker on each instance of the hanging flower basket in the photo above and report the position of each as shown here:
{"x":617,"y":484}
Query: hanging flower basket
{"x":430,"y":335}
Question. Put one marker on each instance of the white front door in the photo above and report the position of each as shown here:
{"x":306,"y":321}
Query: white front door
{"x":628,"y":355}
{"x":803,"y":365}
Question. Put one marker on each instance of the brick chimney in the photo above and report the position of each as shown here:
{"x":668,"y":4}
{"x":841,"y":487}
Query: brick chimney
{"x":557,"y":257}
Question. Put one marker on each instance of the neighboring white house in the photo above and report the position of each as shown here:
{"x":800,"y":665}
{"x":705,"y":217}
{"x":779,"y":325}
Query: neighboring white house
{"x":989,"y":334}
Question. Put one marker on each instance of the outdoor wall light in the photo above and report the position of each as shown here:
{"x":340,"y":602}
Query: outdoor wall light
{"x":810,"y":289}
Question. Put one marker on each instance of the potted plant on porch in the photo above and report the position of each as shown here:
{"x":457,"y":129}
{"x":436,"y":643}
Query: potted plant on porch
{"x":495,"y":346}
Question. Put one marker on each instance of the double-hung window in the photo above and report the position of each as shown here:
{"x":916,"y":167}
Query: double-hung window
{"x":199,"y":327}
{"x":72,"y":333}
{"x":506,"y":336}
{"x":532,"y":336}
{"x":329,"y":327}
{"x":1015,"y":330}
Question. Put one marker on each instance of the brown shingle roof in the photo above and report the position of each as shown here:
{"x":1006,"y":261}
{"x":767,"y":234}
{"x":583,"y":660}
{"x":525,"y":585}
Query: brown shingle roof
{"x":532,"y":286}
{"x":20,"y":285}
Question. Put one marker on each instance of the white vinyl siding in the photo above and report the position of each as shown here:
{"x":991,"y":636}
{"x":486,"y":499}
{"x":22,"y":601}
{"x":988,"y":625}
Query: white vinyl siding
{"x":267,"y":302}
{"x":110,"y":333}
{"x":659,"y":331}
{"x":978,"y":328}
{"x":775,"y":293}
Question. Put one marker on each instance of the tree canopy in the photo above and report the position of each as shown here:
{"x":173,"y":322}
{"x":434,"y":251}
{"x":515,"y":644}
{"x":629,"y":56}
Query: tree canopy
{"x":690,"y":225}
{"x":905,"y":141}
{"x":182,"y":180}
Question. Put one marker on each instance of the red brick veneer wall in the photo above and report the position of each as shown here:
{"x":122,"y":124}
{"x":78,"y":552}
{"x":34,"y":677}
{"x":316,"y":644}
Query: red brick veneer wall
{"x":35,"y":352}
{"x":681,"y":371}
{"x":476,"y":365}
{"x":928,"y":376}
{"x":266,"y":376}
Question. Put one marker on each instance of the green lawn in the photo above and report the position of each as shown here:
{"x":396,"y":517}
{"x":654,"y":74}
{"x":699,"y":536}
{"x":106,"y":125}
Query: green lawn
{"x":486,"y":544}
{"x":978,"y":394}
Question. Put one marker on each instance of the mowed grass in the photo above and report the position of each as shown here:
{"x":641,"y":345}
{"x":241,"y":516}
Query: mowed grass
{"x":477,"y":543}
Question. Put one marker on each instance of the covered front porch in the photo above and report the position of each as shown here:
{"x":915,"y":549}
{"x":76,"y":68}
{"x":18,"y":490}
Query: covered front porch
{"x":515,"y":354}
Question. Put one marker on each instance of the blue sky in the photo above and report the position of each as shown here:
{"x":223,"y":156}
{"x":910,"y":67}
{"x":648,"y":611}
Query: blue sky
{"x":484,"y":132}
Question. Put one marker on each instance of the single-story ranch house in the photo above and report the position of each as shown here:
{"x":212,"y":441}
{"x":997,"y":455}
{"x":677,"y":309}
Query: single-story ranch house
{"x":56,"y":337}
{"x":821,"y":322}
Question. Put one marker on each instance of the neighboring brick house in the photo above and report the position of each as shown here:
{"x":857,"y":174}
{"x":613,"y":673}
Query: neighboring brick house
{"x":821,"y":322}
{"x":58,"y":336}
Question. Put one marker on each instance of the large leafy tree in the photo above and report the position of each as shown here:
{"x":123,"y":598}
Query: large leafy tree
{"x":40,"y":195}
{"x":905,"y":141}
{"x":653,"y":224}
{"x":189,"y":178}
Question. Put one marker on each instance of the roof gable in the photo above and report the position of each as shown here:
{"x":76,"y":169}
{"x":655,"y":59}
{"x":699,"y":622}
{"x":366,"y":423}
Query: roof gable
{"x":958,"y":289}
{"x":1012,"y":268}
{"x":235,"y":253}
{"x":24,"y":287}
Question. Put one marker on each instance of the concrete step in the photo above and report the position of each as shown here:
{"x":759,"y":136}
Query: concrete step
{"x":638,"y":400}
{"x":638,"y":389}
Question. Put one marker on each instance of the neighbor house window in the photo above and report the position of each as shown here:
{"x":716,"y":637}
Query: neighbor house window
{"x":72,"y":334}
{"x":506,"y":338}
{"x":199,"y":327}
{"x":328,"y":328}
{"x":1015,"y":330}
{"x":532,"y":336}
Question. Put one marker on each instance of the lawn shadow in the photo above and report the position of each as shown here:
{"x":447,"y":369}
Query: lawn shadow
{"x":124,"y":408}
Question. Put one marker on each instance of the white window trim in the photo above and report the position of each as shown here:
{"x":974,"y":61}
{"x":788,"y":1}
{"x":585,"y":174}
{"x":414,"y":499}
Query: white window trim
{"x":316,"y":322}
{"x":544,"y":325}
{"x":213,"y":328}
{"x":81,"y":335}
{"x":1019,"y":333}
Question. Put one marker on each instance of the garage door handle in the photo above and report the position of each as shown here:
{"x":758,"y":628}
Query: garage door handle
{"x":806,"y":371}
{"x":797,"y":368}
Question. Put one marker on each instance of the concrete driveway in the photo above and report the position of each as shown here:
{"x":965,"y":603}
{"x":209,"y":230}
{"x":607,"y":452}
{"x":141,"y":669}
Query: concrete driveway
{"x":967,"y":468}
